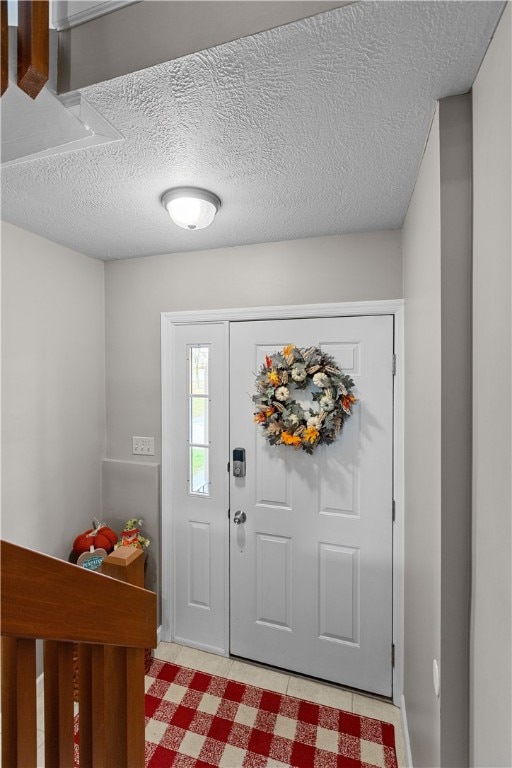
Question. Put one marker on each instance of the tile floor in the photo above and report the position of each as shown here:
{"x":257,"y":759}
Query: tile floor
{"x":253,"y":674}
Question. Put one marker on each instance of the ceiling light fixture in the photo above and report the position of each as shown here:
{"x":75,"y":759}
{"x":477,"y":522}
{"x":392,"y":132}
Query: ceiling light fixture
{"x":191,"y":208}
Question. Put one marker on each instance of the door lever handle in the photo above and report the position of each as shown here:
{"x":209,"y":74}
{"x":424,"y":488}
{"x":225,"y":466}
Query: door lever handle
{"x":240,"y":517}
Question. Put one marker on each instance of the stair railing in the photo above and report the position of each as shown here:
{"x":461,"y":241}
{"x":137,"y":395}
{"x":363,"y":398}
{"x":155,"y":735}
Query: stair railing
{"x":112,"y":621}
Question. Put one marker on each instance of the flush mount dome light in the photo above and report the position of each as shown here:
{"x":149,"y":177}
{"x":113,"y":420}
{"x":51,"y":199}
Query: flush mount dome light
{"x":191,"y":208}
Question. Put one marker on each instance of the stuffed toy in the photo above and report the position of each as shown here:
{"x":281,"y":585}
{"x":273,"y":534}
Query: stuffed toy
{"x":131,"y":536}
{"x":100,"y":536}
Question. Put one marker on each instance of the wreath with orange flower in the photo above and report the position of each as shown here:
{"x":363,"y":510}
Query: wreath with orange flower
{"x":283,"y":420}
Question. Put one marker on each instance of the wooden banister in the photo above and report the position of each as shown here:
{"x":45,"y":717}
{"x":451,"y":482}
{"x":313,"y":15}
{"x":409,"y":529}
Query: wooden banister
{"x":113,"y":622}
{"x":50,"y":599}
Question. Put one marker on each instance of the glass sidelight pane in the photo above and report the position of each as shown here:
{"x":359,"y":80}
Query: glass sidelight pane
{"x":199,"y":370}
{"x":199,"y":420}
{"x":199,"y":470}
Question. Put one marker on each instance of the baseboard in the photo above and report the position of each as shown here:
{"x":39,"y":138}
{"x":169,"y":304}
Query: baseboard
{"x":159,"y":634}
{"x":405,"y":729}
{"x":200,"y":646}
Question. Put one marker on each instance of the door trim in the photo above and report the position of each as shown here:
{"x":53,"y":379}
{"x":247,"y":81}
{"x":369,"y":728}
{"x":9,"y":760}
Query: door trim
{"x":393,"y":307}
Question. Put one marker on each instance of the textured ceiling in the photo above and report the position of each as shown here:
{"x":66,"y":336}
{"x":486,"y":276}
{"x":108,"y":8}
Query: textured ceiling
{"x":314,"y":128}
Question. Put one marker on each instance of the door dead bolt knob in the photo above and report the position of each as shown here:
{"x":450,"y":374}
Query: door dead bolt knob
{"x":240,"y":517}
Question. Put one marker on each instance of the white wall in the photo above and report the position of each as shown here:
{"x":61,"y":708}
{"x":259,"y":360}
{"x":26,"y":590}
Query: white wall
{"x":422,"y":293}
{"x":327,"y":269}
{"x":53,"y":401}
{"x":491,"y":671}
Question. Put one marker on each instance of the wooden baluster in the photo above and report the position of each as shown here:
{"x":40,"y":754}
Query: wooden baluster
{"x":19,"y":704}
{"x":85,"y":704}
{"x":125,"y":713}
{"x":100,"y":698}
{"x":58,"y":703}
{"x":135,"y":662}
{"x":117,"y":717}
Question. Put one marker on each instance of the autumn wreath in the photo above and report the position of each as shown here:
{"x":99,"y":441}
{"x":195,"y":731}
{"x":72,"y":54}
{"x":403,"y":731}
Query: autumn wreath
{"x":283,"y":419}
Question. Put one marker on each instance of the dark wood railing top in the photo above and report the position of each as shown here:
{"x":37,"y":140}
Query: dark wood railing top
{"x":44,"y":597}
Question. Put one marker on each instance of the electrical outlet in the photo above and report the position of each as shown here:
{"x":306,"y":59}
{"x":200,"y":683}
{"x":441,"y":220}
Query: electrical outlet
{"x":143,"y":446}
{"x":437,"y":677}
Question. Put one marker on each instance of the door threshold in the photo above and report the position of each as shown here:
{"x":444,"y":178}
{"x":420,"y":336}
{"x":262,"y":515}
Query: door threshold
{"x":322,"y":681}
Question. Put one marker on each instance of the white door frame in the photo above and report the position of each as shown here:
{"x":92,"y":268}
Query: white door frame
{"x":393,"y":307}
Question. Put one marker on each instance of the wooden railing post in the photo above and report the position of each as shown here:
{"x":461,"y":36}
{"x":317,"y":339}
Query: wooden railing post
{"x":125,"y":564}
{"x":112,"y":707}
{"x":19,"y":713}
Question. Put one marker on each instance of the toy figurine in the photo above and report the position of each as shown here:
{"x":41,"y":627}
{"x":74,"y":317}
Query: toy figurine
{"x":131,"y":536}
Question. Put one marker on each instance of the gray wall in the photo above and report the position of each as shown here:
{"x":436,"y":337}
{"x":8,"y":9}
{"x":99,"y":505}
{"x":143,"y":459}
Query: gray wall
{"x":491,"y":691}
{"x":53,"y":391}
{"x":422,"y":560}
{"x":132,"y":489}
{"x":327,"y":269}
{"x":437,"y":286}
{"x":456,"y":250}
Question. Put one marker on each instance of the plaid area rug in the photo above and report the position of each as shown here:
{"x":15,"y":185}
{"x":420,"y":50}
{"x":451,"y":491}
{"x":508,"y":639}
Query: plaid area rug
{"x":198,"y":720}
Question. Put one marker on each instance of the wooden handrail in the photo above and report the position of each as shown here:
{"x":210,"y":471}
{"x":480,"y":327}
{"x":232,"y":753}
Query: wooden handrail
{"x":113,"y":622}
{"x":43,"y":597}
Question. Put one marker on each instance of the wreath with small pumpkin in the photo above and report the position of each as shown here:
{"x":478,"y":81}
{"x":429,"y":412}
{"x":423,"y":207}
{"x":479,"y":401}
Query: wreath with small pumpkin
{"x":283,"y":419}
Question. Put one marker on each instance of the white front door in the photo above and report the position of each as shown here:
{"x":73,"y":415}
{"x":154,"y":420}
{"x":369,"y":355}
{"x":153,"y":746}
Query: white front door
{"x":311,"y":566}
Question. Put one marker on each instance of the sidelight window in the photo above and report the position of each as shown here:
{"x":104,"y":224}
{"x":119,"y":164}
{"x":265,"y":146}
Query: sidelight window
{"x":198,"y":418}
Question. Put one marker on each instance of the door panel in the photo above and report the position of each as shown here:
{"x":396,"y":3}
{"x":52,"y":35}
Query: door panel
{"x":199,"y":564}
{"x":311,"y":568}
{"x":273,"y":582}
{"x":339,"y":593}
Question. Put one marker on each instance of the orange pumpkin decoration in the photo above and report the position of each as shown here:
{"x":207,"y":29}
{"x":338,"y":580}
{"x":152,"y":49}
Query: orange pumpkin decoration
{"x":101,"y":536}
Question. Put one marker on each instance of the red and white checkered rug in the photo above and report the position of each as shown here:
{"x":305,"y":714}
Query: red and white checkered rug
{"x":197,"y":720}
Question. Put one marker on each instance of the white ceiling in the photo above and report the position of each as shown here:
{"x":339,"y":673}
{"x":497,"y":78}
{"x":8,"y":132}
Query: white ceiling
{"x":313,"y":128}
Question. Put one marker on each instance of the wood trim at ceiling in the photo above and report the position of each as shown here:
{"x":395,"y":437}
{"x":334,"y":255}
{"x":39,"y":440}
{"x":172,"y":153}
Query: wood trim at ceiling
{"x":112,"y":45}
{"x":33,"y":46}
{"x":4,"y":47}
{"x":70,"y":18}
